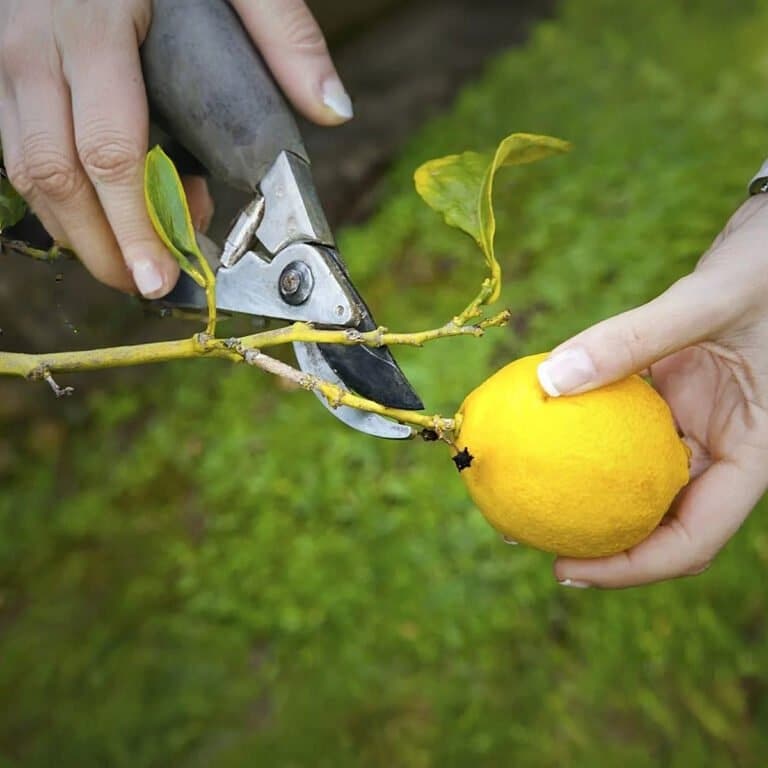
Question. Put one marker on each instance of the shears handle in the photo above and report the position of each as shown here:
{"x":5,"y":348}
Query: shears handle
{"x":209,"y":88}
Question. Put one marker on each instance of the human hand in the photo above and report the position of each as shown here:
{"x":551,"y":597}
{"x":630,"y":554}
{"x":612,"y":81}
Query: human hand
{"x":74,"y":121}
{"x":705,"y":341}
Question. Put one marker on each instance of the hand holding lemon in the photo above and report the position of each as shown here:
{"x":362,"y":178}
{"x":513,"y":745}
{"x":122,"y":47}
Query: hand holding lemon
{"x":705,"y":342}
{"x":574,"y":453}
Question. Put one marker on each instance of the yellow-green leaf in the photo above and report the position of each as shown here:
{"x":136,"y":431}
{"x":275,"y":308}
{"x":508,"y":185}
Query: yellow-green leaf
{"x":12,"y":205}
{"x":169,"y":213}
{"x":461,"y":188}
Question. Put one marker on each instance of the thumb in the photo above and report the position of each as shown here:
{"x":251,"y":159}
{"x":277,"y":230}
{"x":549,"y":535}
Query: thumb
{"x":690,"y":311}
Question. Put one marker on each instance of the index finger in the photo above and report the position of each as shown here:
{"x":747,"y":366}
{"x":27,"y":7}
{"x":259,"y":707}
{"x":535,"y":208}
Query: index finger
{"x":111,"y":125}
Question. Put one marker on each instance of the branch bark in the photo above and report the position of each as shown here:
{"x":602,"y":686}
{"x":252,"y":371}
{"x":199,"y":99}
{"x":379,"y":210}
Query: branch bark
{"x":249,"y":349}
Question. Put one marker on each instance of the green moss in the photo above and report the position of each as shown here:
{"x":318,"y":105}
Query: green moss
{"x":259,"y":586}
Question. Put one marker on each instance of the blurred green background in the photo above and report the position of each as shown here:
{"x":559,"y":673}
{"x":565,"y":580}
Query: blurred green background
{"x":202,"y":568}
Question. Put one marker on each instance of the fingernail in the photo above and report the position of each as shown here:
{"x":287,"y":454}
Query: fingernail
{"x":574,"y":584}
{"x":337,"y":99}
{"x":148,"y":278}
{"x":566,"y":371}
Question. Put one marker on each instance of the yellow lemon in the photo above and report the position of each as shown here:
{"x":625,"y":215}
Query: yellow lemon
{"x":585,"y":476}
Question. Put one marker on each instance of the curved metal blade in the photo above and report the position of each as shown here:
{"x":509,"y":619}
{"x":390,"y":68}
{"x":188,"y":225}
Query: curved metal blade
{"x":370,"y":371}
{"x":311,"y":360}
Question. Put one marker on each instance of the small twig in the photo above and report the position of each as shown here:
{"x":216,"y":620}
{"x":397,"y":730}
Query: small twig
{"x":337,"y":396}
{"x":204,"y":345}
{"x":57,"y":390}
{"x":54,"y":253}
{"x":474,"y":308}
{"x":250,"y":350}
{"x":303,"y":332}
{"x":210,"y":297}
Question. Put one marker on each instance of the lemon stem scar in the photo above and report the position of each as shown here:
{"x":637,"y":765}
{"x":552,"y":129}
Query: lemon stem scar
{"x":463,"y":459}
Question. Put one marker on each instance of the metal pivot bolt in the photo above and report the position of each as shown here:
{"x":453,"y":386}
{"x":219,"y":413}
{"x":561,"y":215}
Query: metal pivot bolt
{"x":296,"y":283}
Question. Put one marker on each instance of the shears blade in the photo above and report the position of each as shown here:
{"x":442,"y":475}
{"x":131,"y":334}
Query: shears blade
{"x":312,"y":360}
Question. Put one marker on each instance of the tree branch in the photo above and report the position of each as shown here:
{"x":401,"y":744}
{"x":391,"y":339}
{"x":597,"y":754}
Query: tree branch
{"x":34,"y":366}
{"x":249,"y":349}
{"x":54,"y":253}
{"x":380,"y":337}
{"x":336,"y":396}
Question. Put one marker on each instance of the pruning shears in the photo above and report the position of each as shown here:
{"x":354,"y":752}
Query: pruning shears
{"x":209,"y":88}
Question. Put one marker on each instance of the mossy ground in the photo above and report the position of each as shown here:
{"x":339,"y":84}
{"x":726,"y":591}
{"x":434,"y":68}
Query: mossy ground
{"x":206,"y":569}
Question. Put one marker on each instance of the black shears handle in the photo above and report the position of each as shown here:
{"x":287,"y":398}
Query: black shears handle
{"x":209,"y":88}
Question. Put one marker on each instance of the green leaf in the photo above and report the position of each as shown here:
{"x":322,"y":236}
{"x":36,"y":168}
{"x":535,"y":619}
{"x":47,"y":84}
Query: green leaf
{"x":461,"y":188}
{"x":169,"y":213}
{"x":12,"y":205}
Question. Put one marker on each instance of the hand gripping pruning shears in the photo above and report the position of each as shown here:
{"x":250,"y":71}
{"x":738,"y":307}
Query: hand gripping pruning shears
{"x":209,"y":88}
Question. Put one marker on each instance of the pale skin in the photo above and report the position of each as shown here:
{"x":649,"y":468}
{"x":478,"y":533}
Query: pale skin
{"x":705,"y":342}
{"x":74,"y":120}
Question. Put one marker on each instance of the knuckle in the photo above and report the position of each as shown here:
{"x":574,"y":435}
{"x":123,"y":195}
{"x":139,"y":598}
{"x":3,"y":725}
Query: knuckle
{"x":109,"y":156}
{"x":632,"y":346}
{"x":49,"y":169}
{"x":16,"y":170}
{"x":302,"y":32}
{"x":697,"y":566}
{"x":636,"y":342}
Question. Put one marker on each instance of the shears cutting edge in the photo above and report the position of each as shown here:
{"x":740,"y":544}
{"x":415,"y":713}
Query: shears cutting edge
{"x":210,"y":90}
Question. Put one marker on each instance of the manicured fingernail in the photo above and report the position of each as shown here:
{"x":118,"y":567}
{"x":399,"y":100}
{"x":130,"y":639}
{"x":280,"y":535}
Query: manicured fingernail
{"x":566,"y":371}
{"x":148,"y":278}
{"x":337,"y":99}
{"x":574,"y":584}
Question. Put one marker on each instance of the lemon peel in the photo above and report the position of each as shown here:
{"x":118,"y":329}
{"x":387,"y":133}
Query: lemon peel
{"x":588,"y":475}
